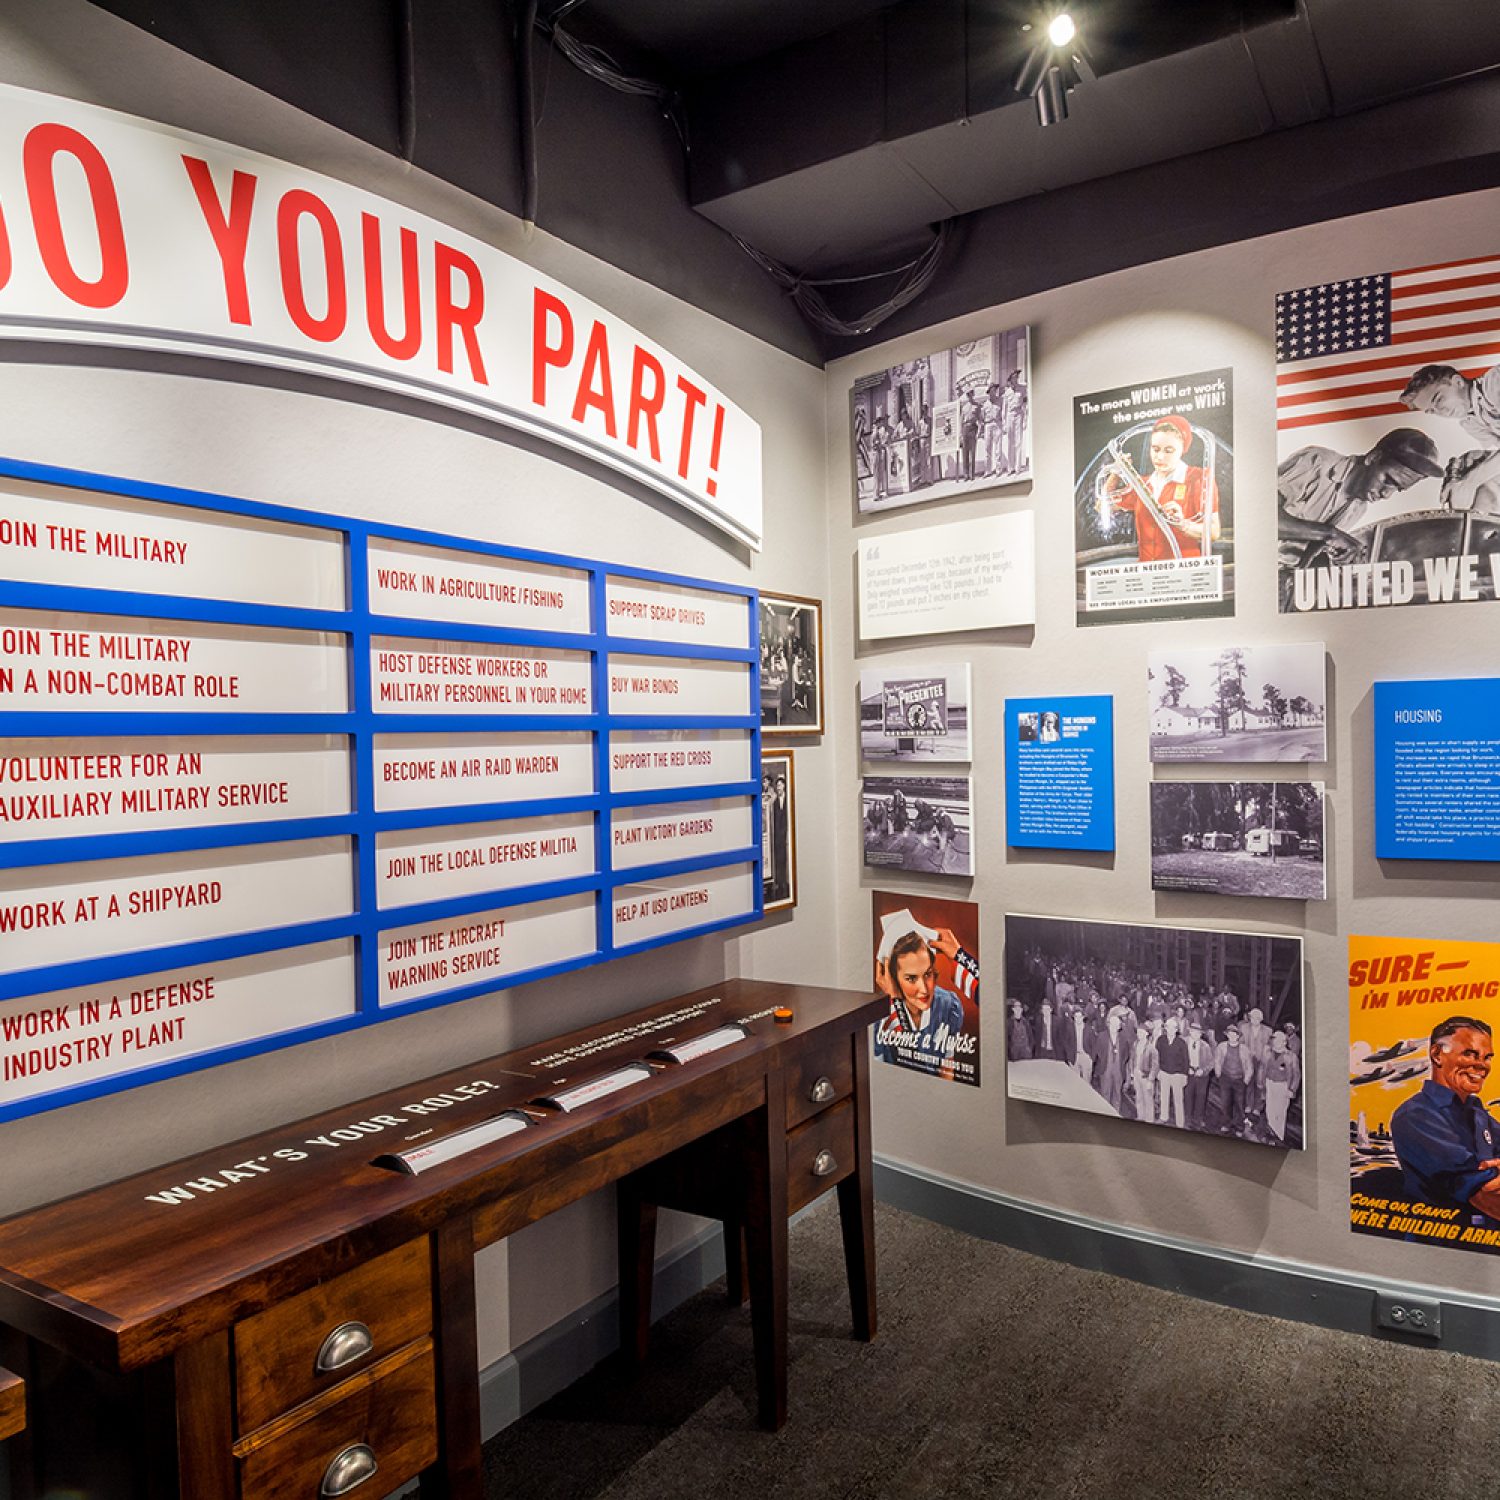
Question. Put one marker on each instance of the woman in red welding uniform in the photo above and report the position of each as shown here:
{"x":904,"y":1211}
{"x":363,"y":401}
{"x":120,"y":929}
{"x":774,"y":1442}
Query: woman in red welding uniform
{"x":1182,"y":494}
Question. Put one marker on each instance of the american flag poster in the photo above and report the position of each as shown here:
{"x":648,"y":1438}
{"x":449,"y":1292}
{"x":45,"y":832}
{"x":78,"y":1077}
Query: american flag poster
{"x":1388,"y":438}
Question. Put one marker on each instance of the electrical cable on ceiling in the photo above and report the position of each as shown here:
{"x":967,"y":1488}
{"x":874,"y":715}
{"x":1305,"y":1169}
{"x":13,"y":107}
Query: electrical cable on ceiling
{"x":597,"y":64}
{"x":915,"y":276}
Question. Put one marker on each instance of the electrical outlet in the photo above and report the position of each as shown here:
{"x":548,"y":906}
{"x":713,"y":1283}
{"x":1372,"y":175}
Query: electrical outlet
{"x":1419,"y":1315}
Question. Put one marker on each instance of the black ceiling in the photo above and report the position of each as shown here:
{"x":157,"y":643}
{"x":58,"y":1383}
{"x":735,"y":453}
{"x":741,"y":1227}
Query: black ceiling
{"x":833,"y":134}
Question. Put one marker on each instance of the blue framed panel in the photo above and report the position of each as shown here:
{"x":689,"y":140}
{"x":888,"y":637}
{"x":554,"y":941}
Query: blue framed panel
{"x":1437,"y":769}
{"x":152,"y":838}
{"x":1060,"y":772}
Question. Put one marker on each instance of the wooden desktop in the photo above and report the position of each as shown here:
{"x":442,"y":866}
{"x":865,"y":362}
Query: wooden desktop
{"x":280,"y":1316}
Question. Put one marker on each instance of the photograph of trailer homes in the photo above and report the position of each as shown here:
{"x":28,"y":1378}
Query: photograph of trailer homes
{"x":1238,"y":838}
{"x":1244,"y":703}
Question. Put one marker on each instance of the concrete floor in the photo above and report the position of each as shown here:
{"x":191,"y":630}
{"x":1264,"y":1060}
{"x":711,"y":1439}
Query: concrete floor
{"x":1000,"y":1374}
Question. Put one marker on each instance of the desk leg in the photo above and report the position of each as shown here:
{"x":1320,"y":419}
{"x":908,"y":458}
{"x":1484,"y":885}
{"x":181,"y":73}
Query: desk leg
{"x":204,"y":1387}
{"x":459,"y":1474}
{"x":857,"y":1204}
{"x":636,"y":1227}
{"x":765,"y":1242}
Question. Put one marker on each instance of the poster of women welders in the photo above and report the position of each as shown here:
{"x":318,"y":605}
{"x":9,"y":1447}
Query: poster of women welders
{"x":927,"y":967}
{"x":1153,"y":500}
{"x":1424,"y":1104}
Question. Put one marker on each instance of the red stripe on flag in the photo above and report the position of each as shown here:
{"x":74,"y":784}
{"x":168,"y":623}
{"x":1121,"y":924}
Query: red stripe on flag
{"x":1443,"y":309}
{"x":1391,"y":361}
{"x":1321,"y":418}
{"x":1455,"y":284}
{"x":1342,"y":392}
{"x":1444,"y":265}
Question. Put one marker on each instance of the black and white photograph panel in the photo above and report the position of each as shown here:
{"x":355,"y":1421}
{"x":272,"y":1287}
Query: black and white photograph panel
{"x":948,"y":423}
{"x":1241,"y":703}
{"x":916,"y":712}
{"x":778,"y":831}
{"x":1181,"y":1027}
{"x":791,"y":664}
{"x":1238,"y":838}
{"x":920,"y":824}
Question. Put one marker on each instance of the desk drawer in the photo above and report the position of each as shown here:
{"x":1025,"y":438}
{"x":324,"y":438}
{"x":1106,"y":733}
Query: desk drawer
{"x":819,"y":1154}
{"x":818,"y":1076}
{"x":276,"y":1352}
{"x":383,"y":1428}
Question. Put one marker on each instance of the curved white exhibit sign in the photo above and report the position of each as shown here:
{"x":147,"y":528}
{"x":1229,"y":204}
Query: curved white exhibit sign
{"x":117,"y":230}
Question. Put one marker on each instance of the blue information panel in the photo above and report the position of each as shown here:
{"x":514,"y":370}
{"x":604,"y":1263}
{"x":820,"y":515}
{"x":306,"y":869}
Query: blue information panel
{"x":1437,"y":769}
{"x":1060,"y":773}
{"x":268,"y":775}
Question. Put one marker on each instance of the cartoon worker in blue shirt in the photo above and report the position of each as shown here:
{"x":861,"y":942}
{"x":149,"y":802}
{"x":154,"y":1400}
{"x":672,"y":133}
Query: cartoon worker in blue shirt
{"x":1448,"y":1144}
{"x":925,"y":1018}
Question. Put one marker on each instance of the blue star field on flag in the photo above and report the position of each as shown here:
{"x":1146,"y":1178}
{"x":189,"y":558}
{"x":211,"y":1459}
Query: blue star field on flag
{"x":1339,"y":317}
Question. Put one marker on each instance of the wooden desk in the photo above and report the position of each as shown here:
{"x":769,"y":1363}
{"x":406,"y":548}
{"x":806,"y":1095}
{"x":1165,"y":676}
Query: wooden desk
{"x":184,"y":1320}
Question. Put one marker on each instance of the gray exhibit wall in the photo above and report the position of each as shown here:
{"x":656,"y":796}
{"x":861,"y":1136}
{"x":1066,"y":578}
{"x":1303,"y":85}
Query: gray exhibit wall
{"x":307,"y":443}
{"x":1210,"y":310}
{"x":281,"y":439}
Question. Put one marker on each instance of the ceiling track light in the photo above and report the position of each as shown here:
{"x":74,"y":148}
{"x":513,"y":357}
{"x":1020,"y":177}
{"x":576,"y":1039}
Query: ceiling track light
{"x":1051,"y":98}
{"x":1053,"y":67}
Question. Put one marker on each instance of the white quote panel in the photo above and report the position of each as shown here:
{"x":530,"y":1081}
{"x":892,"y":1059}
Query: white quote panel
{"x":99,"y":1031}
{"x":653,"y":760}
{"x":469,"y":588}
{"x":436,"y":864}
{"x":963,"y":575}
{"x":659,"y":908}
{"x":451,"y":677}
{"x":70,"y":788}
{"x":51,"y":914}
{"x":433,"y":770}
{"x":70,"y":663}
{"x":667,"y":685}
{"x":652,"y":611}
{"x":684,"y":830}
{"x":430,"y":957}
{"x":79,"y":539}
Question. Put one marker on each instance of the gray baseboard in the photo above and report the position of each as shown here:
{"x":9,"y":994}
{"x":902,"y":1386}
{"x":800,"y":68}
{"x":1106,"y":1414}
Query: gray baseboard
{"x":1256,"y":1283}
{"x":537,"y":1370}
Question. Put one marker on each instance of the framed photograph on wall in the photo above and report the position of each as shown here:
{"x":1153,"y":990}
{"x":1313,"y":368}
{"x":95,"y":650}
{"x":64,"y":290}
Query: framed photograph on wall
{"x":791,"y":664}
{"x":1238,"y":838}
{"x":952,"y":422}
{"x":1176,"y":1027}
{"x":1238,"y":703}
{"x":917,"y":712}
{"x":919,"y":824}
{"x":778,"y":830}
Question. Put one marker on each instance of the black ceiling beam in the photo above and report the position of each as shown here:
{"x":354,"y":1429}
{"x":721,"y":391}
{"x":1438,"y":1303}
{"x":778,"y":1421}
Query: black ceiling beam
{"x":915,"y":66}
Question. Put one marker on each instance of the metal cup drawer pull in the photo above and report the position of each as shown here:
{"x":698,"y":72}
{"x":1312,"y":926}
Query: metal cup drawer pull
{"x":825,"y":1164}
{"x":349,"y":1470}
{"x":822,"y":1091}
{"x":347,"y":1343}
